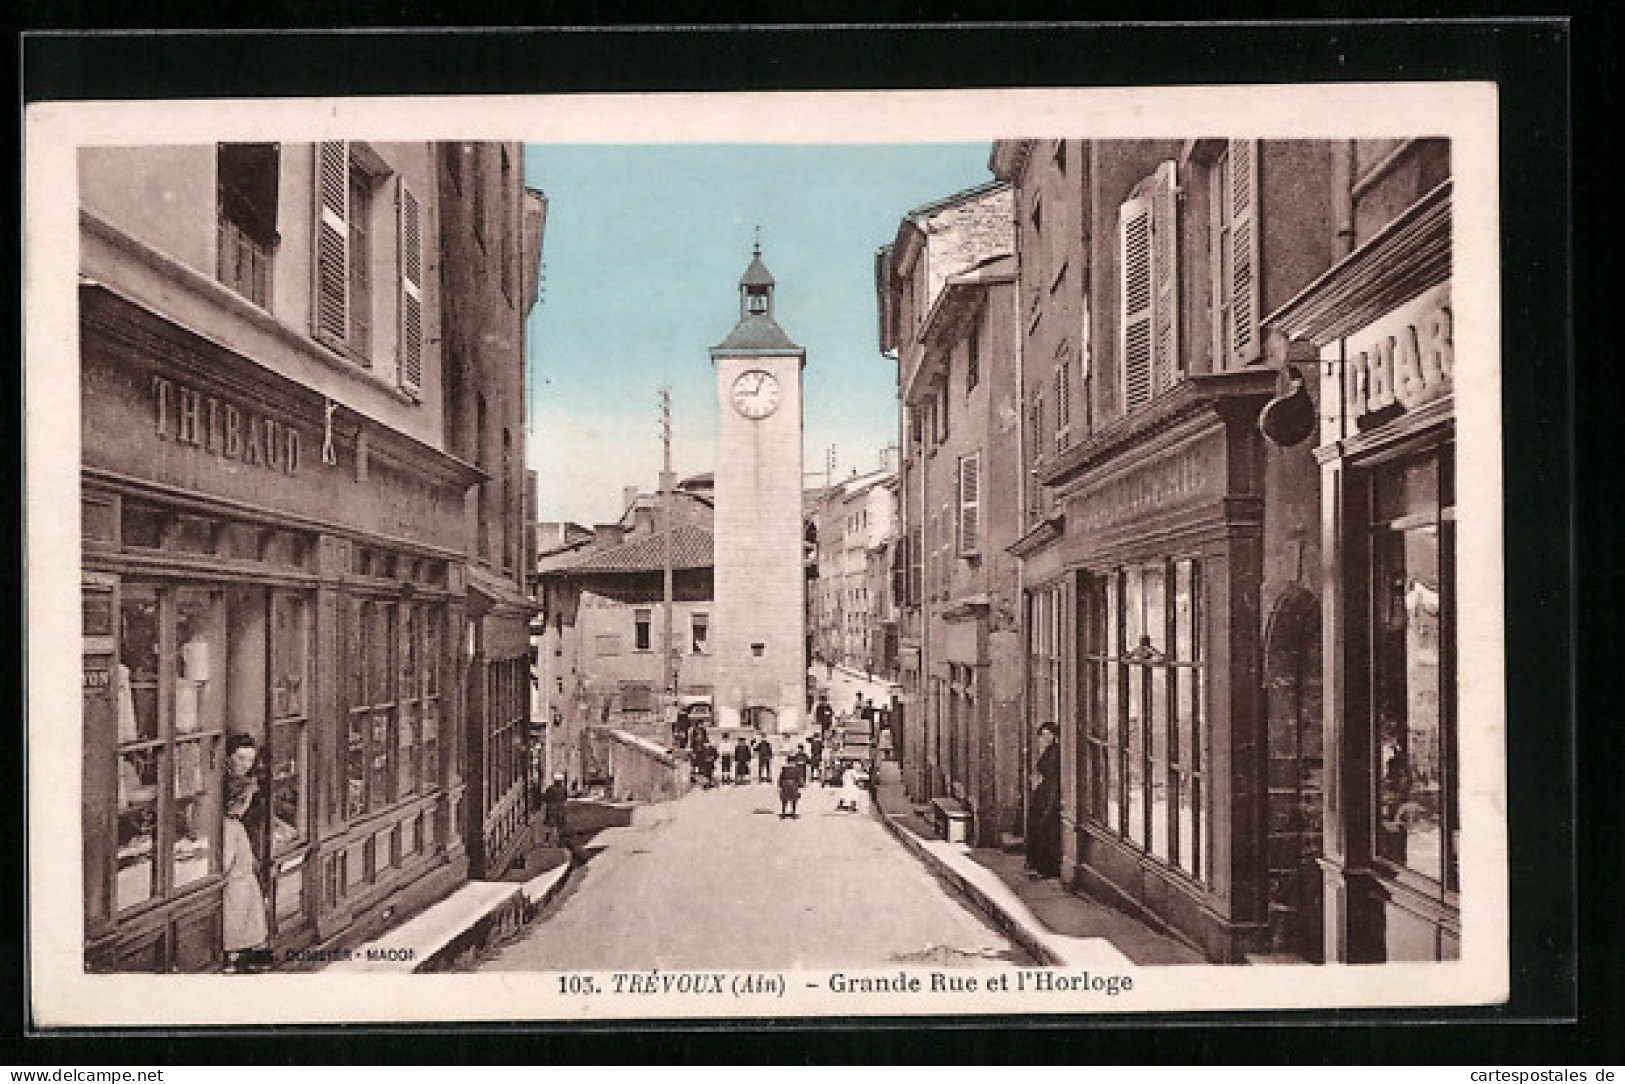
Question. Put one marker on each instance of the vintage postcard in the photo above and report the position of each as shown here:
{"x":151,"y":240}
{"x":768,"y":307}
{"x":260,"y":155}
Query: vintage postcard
{"x":578,"y":558}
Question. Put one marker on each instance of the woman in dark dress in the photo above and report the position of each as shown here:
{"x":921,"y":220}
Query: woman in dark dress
{"x":1044,"y":807}
{"x":789,"y":787}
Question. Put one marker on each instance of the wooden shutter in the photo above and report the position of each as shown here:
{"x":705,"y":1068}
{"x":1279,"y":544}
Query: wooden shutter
{"x":1242,"y":274}
{"x":970,"y":505}
{"x":916,"y":564}
{"x":1135,"y":293}
{"x":411,"y":297}
{"x":332,"y":308}
{"x":1165,"y":272}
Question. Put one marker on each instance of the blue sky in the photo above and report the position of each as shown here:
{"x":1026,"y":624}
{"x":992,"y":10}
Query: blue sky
{"x":643,"y":252}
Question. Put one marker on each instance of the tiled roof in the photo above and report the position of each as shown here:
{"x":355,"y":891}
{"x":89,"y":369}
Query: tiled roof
{"x":691,"y":548}
{"x":757,"y":332}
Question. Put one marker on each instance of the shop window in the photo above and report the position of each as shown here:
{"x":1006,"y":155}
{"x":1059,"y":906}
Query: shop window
{"x":1145,"y":733}
{"x":641,"y":621}
{"x":370,"y":733}
{"x":1412,"y":547}
{"x":246,"y":176}
{"x":171,"y":711}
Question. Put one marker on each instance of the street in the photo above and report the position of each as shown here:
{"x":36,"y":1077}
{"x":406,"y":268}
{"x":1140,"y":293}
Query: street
{"x":718,"y":880}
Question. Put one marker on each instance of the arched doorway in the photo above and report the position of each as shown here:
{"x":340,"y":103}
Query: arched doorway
{"x":1292,"y":697}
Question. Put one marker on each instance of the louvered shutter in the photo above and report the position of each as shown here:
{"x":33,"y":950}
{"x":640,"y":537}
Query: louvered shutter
{"x":332,"y":308}
{"x":411,"y":300}
{"x":1165,"y":272}
{"x":1242,"y":275}
{"x":1135,"y":291}
{"x":970,"y":505}
{"x":916,"y":564}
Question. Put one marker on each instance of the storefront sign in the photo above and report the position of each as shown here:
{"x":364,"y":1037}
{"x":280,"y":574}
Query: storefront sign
{"x":1181,"y":478}
{"x":1407,"y":360}
{"x":221,"y":428}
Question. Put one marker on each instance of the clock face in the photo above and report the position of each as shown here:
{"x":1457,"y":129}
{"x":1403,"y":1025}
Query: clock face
{"x":756,"y":393}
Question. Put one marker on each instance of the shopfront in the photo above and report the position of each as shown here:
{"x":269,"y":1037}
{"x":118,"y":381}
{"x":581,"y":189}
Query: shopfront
{"x":246,"y":579}
{"x":1382,"y":322}
{"x":1144,"y":644}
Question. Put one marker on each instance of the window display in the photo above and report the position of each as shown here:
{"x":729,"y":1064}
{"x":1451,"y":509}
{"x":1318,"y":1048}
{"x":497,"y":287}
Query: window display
{"x":1412,"y":551}
{"x":1146,"y":736}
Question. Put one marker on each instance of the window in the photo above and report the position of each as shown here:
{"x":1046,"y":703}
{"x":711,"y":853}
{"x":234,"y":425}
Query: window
{"x":970,"y":507}
{"x":1063,"y":404}
{"x":349,"y":242}
{"x":1412,"y":548}
{"x":641,"y":620}
{"x":701,"y":626}
{"x":1233,"y":254}
{"x":371,"y":733}
{"x":973,"y":356}
{"x":637,"y":696}
{"x":506,"y":194}
{"x":171,"y":702}
{"x":1148,"y":252}
{"x":1144,"y":693}
{"x":451,"y":157}
{"x":246,"y":203}
{"x":285,"y":752}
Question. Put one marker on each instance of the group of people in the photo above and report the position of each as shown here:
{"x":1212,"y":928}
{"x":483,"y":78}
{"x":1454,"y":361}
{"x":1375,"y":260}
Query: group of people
{"x":735,"y":757}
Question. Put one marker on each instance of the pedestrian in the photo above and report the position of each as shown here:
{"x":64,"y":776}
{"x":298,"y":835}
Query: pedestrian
{"x":1044,"y":807}
{"x":824,"y":714}
{"x":885,"y":742}
{"x":726,"y":753}
{"x":850,"y":797}
{"x":789,"y":788}
{"x":742,"y":760}
{"x":696,"y":736}
{"x":554,"y":801}
{"x":242,"y":903}
{"x":764,"y":759}
{"x":816,"y":744}
{"x":705,"y":761}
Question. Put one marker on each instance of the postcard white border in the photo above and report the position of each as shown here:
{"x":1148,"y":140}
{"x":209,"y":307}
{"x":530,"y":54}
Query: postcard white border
{"x":64,"y":995}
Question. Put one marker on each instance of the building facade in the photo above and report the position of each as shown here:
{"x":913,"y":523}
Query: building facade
{"x":1378,"y":326}
{"x":850,"y":609}
{"x":947,"y":294}
{"x":1171,"y":553}
{"x":273,"y":543}
{"x":490,"y":255}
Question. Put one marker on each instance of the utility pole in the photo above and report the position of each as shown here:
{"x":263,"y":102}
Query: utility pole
{"x":668,"y":656}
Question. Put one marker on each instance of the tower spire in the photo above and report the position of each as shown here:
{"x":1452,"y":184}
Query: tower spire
{"x":757,"y":250}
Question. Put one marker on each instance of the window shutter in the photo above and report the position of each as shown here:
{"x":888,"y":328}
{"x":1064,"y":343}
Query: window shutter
{"x":970,"y":506}
{"x":1165,"y":269}
{"x":411,"y":278}
{"x":332,"y":307}
{"x":1063,"y":406}
{"x":916,"y":564}
{"x":1243,"y":271}
{"x":1134,"y":345}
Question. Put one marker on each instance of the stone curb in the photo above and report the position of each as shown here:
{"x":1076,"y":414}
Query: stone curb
{"x":1031,"y":940}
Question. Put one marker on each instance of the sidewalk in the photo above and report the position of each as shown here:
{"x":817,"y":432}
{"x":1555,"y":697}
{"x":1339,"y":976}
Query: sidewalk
{"x":1056,"y":926}
{"x":475,"y":915}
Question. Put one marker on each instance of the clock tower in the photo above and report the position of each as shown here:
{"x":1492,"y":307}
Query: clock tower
{"x":758,"y":635}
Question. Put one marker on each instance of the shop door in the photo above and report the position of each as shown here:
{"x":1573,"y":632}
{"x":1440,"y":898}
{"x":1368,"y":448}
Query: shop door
{"x":1293,"y":702}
